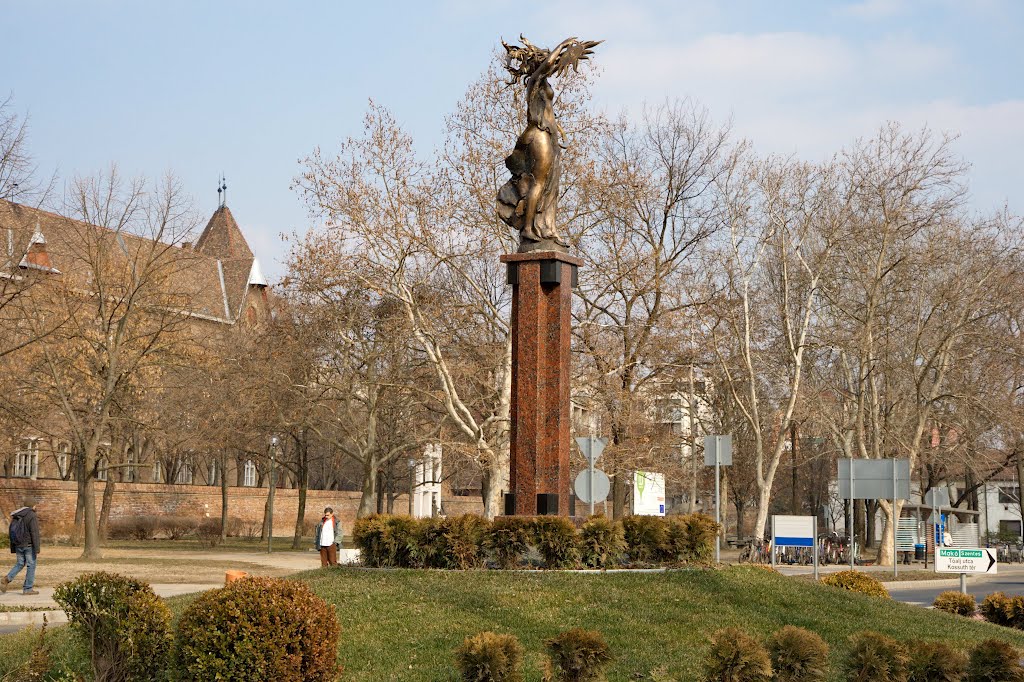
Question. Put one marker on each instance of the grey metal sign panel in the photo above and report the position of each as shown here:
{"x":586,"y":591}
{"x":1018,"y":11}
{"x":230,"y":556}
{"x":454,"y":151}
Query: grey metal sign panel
{"x":602,"y":486}
{"x":591,"y":447}
{"x":937,"y":497}
{"x":720,"y":446}
{"x":874,"y":479}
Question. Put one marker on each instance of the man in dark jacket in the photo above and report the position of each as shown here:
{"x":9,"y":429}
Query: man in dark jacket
{"x":24,"y":535}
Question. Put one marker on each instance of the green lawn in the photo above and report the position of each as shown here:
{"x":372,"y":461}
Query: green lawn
{"x":405,"y":624}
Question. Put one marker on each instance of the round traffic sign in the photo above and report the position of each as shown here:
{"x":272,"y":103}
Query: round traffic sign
{"x":601,"y":486}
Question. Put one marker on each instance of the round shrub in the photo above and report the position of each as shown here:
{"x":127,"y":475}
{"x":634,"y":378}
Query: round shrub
{"x":956,"y":603}
{"x":601,"y":542}
{"x":877,"y":658}
{"x":798,"y":655}
{"x":997,"y":608}
{"x":507,"y":540}
{"x":578,"y":655}
{"x":855,"y":581}
{"x":647,"y":538}
{"x":735,"y":656}
{"x":556,"y":540}
{"x":258,"y":630}
{"x":490,"y":657}
{"x":935,"y":662}
{"x":125,"y":625}
{"x":994,"y":661}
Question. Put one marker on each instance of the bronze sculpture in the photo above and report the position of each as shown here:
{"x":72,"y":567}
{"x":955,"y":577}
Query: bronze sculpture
{"x":528,"y":201}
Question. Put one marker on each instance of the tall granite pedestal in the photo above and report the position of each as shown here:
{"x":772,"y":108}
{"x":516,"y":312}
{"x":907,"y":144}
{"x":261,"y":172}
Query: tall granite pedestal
{"x":542,"y":283}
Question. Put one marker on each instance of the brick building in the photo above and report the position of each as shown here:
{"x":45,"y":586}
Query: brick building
{"x":217,"y":284}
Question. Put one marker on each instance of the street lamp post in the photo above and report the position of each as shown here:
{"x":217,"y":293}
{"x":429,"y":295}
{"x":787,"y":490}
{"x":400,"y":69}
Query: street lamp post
{"x":270,"y":499}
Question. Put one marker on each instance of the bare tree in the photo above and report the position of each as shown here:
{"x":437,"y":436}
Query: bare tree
{"x":125,"y":304}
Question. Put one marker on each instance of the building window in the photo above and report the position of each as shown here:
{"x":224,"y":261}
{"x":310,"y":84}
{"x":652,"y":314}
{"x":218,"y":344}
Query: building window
{"x":249,"y":474}
{"x":211,"y":473}
{"x":63,"y":459}
{"x":101,"y":469}
{"x":1008,"y":527}
{"x":184,"y":476}
{"x":158,"y":472}
{"x":1009,"y":494}
{"x":130,"y":473}
{"x":26,"y":464}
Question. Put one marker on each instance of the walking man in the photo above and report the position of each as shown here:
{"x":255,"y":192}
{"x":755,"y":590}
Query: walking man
{"x":24,"y":535}
{"x":327,"y":536}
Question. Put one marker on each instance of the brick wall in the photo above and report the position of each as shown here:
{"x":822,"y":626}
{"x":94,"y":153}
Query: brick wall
{"x":57,"y":499}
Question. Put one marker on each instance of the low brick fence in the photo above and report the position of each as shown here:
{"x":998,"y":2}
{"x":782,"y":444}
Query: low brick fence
{"x":57,"y":500}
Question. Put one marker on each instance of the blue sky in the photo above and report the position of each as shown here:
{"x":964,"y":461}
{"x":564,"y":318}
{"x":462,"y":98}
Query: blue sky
{"x":248,"y":88}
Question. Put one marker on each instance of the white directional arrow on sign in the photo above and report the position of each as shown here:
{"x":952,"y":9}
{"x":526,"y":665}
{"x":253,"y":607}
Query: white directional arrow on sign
{"x":591,"y":447}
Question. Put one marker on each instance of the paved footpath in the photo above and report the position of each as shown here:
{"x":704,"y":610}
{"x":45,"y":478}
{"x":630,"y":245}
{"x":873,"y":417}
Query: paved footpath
{"x":11,"y":621}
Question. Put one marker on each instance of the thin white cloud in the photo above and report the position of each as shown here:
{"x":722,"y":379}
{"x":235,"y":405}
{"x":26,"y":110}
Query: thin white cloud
{"x":873,"y":9}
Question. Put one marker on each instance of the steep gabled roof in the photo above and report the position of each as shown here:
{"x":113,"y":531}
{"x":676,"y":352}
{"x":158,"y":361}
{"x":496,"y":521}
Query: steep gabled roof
{"x":223,"y":239}
{"x":214,"y":287}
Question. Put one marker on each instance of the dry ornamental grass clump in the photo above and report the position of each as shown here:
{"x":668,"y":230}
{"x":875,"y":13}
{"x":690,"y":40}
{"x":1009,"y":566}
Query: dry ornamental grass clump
{"x":935,"y":662}
{"x":798,"y":655}
{"x":490,"y":657}
{"x":855,"y":581}
{"x":578,"y":655}
{"x":994,"y":661}
{"x":957,"y":603}
{"x":735,"y":656}
{"x":876,"y":658}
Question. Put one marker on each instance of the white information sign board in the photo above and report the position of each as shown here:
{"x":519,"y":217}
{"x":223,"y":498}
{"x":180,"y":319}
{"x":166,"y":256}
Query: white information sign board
{"x":648,"y":493}
{"x":792,"y":531}
{"x":965,"y":560}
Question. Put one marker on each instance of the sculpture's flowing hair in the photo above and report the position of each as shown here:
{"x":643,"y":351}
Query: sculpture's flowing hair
{"x":522,"y":61}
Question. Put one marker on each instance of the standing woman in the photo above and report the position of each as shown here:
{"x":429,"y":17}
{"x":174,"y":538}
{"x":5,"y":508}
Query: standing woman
{"x":327,"y":536}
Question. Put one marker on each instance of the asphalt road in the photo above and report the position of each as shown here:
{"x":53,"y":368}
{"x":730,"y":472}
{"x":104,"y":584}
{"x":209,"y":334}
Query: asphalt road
{"x":924,"y":594}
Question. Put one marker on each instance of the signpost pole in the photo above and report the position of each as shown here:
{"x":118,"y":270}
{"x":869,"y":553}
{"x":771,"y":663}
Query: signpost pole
{"x":963,"y":583}
{"x":853,"y":508}
{"x":773,"y":541}
{"x":815,"y":547}
{"x":718,"y":503}
{"x":590,"y":459}
{"x":895,"y":524}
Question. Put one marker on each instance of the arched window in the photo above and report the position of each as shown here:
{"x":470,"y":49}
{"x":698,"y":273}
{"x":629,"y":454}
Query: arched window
{"x":63,"y":458}
{"x":249,"y":474}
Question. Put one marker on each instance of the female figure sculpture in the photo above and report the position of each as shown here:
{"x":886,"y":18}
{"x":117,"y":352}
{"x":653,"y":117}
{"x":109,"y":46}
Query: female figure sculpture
{"x":528,"y":201}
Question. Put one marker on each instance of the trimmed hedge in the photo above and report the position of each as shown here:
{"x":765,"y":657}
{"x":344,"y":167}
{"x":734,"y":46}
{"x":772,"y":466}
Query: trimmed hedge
{"x":470,"y":541}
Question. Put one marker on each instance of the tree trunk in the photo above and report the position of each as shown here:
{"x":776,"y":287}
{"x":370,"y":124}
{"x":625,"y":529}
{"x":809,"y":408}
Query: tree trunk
{"x":367,"y":501}
{"x":302,"y":475}
{"x":886,"y":551}
{"x":740,"y":507}
{"x":87,"y":496}
{"x":490,"y":492}
{"x":619,"y":491}
{"x":108,"y":499}
{"x":223,"y":498}
{"x":723,"y":502}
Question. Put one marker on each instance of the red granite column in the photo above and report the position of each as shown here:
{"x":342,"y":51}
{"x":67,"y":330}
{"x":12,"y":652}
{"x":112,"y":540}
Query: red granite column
{"x":542,"y":284}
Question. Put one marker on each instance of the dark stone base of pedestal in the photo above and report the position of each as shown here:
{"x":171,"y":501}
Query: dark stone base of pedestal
{"x":547,"y":504}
